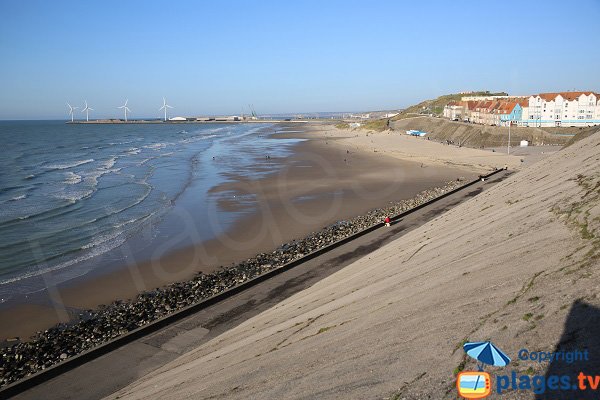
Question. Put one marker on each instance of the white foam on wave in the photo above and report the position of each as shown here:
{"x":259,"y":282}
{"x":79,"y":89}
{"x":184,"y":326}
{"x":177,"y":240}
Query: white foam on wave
{"x":72,"y":178}
{"x":70,"y":165}
{"x":197,"y":139}
{"x":74,"y":196}
{"x":17,"y":198}
{"x":108,"y":164}
{"x":99,"y":246}
{"x":133,"y":151}
{"x":92,"y":177}
{"x":103,"y":247}
{"x":145,"y":160}
{"x":156,"y":146}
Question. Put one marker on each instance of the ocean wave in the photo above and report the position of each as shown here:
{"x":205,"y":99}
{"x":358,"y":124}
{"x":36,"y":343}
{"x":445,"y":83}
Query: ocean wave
{"x":46,"y":213}
{"x":17,"y":198}
{"x":145,"y":160}
{"x":156,"y":146}
{"x":72,"y":178}
{"x":69,"y":165}
{"x":197,"y":138}
{"x":9,"y":188}
{"x":101,"y":245}
{"x":74,"y":196}
{"x":133,"y":151}
{"x":108,"y":164}
{"x":90,"y":178}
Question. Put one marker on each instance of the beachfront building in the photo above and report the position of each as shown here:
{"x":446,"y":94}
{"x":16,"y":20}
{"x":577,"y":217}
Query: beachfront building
{"x":454,"y":110}
{"x":510,"y":113}
{"x":562,"y":109}
{"x":542,"y":110}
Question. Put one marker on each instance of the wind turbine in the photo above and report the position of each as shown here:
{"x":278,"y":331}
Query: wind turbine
{"x":125,"y":108}
{"x":71,"y":108}
{"x":164,"y":107}
{"x":87,"y":110}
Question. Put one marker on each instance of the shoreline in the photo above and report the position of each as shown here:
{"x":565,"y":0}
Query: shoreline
{"x":314,"y":187}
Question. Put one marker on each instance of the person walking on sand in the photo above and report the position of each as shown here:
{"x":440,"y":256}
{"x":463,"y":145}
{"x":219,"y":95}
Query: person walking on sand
{"x":387,"y":221}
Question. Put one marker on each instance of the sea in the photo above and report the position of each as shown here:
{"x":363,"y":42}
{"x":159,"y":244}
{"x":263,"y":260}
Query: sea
{"x":72,"y":195}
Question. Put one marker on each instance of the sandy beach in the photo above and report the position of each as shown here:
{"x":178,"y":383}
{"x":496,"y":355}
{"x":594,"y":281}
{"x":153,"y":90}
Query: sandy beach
{"x":517,"y":264}
{"x":398,"y":145}
{"x":328,"y":179}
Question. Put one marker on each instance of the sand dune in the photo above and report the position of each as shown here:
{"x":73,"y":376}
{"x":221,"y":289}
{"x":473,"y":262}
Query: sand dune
{"x":508,"y":265}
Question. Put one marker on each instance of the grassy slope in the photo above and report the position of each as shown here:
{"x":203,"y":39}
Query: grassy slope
{"x":434,"y":106}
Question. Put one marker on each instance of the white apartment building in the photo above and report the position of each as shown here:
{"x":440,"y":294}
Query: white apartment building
{"x":562,"y":109}
{"x":453,"y":111}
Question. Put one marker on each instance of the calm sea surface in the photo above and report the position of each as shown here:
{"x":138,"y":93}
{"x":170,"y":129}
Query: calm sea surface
{"x":72,"y":193}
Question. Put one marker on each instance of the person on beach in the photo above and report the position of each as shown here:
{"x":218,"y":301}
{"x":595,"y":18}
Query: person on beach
{"x":387,"y":221}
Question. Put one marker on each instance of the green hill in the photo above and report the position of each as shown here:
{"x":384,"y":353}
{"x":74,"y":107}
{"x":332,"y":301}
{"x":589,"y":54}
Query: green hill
{"x":436,"y":106}
{"x":426,"y":107}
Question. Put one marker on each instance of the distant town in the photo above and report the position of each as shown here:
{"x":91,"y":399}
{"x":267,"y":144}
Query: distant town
{"x":573,"y":109}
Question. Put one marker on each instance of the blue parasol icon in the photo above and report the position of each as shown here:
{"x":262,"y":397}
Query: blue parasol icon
{"x":486,"y":353}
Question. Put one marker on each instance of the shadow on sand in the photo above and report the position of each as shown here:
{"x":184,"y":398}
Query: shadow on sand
{"x":581,"y":332}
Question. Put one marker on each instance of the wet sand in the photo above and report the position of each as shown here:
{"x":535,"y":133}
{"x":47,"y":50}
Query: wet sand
{"x":325,"y":181}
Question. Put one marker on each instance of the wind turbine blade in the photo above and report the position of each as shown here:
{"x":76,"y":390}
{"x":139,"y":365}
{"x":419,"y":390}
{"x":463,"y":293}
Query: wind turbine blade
{"x":126,"y":102}
{"x":168,"y":106}
{"x":162,"y":108}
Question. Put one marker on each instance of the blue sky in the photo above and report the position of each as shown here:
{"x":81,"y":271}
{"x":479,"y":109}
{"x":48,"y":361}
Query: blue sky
{"x":215,"y":57}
